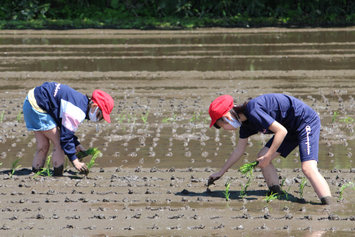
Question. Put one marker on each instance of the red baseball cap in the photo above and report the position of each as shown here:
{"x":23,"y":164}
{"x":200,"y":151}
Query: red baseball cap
{"x":105,"y":103}
{"x":219,"y":107}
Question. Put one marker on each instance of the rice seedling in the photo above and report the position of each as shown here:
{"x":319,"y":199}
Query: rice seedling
{"x":129,"y":118}
{"x":195,"y":117}
{"x":91,"y":151}
{"x":226,"y":192}
{"x":167,"y":119}
{"x":243,"y":192}
{"x":301,"y":186}
{"x":347,"y":120}
{"x":45,"y":171}
{"x":343,"y":188}
{"x":18,"y":117}
{"x":284,"y":191}
{"x":145,"y":117}
{"x":14,"y":167}
{"x":335,"y":114}
{"x":92,"y":161}
{"x":2,"y":116}
{"x":248,"y":167}
{"x":271,"y":197}
{"x":121,"y":117}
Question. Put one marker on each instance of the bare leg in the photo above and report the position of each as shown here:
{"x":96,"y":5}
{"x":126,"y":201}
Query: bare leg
{"x":58,"y":154}
{"x":269,"y":172}
{"x":42,"y":150}
{"x":318,"y":182}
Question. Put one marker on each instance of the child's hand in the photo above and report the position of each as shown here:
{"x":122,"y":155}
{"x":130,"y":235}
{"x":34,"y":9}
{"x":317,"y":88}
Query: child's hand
{"x":263,"y":161}
{"x":80,"y":166}
{"x":213,"y":177}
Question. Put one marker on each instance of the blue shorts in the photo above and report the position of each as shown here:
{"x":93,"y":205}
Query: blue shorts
{"x":307,"y":140}
{"x":37,"y":121}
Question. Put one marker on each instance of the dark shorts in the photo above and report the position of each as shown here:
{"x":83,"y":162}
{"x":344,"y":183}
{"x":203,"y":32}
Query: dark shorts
{"x":307,"y":140}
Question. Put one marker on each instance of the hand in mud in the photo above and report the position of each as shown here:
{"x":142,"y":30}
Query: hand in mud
{"x":80,"y":166}
{"x":213,"y":177}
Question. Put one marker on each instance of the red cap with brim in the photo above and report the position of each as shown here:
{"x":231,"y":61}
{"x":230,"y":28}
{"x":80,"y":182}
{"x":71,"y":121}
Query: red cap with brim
{"x":105,"y":103}
{"x":219,"y":107}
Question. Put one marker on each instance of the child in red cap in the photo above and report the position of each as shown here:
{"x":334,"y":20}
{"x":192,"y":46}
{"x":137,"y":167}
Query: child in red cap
{"x":293,"y":124}
{"x":53,"y":111}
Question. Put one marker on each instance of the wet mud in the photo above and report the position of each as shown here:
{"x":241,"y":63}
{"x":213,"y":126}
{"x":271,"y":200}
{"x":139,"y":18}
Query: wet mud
{"x":158,"y":152}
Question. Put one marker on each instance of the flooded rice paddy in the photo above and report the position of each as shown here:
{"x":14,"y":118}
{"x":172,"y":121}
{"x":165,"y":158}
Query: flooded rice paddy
{"x":162,"y":83}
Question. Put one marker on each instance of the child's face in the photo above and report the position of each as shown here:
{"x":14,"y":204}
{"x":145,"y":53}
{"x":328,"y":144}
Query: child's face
{"x":224,"y":124}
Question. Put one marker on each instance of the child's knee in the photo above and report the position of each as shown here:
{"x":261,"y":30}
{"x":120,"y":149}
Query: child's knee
{"x":43,"y":147}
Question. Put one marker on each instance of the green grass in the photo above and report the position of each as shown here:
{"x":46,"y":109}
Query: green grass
{"x":14,"y":166}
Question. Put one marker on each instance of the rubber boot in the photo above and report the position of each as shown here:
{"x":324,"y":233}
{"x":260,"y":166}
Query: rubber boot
{"x":58,"y":171}
{"x":275,"y":189}
{"x":326,"y":200}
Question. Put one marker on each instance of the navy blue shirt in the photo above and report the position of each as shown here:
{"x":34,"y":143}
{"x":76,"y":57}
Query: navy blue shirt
{"x":263,"y":110}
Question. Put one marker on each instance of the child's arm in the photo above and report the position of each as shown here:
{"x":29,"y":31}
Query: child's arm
{"x":280,"y":134}
{"x":233,"y":158}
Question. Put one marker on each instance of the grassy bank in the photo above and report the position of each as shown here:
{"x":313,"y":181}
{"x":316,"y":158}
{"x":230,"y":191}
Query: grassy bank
{"x":171,"y":14}
{"x":172,"y":23}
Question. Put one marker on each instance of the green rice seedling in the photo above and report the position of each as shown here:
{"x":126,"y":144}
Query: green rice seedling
{"x":129,"y":118}
{"x":45,"y":171}
{"x":243,"y":192}
{"x":301,"y":186}
{"x":2,"y":116}
{"x":284,"y":191}
{"x":14,"y":167}
{"x":343,"y":188}
{"x":335,"y":114}
{"x":93,"y":160}
{"x":347,"y":120}
{"x":18,"y":117}
{"x":145,"y":117}
{"x":91,"y":151}
{"x":248,"y":167}
{"x":121,"y":117}
{"x":48,"y":168}
{"x":271,"y":197}
{"x":195,"y":117}
{"x":165,"y":120}
{"x":226,"y":192}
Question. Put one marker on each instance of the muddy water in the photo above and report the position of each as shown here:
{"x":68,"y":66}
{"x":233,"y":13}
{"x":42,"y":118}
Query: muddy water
{"x":162,"y":83}
{"x":173,"y":75}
